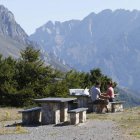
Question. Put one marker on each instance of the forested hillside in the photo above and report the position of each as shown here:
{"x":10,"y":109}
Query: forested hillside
{"x":28,"y":78}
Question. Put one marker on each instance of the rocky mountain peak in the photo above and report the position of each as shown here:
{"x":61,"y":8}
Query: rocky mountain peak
{"x":6,"y":15}
{"x":9,"y":27}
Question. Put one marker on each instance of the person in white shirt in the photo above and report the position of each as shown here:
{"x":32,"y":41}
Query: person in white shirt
{"x":95,"y":92}
{"x":97,"y":97}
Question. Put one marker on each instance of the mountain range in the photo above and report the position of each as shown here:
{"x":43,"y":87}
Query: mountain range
{"x":109,"y":40}
{"x":13,"y":39}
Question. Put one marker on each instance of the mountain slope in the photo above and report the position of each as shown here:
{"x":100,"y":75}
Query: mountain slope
{"x":108,"y":40}
{"x":9,"y":47}
{"x":12,"y":36}
{"x":13,"y":39}
{"x":130,"y":97}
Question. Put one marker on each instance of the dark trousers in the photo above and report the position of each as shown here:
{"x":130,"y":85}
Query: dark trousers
{"x":110,"y":99}
{"x":100,"y":101}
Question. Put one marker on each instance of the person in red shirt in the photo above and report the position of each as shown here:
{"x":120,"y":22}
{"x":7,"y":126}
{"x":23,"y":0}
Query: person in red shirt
{"x":110,"y":91}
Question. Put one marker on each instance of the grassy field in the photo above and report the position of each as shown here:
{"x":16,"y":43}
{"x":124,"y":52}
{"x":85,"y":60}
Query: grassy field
{"x":129,"y":120}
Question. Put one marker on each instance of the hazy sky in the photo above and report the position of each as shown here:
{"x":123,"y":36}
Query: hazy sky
{"x":31,"y":14}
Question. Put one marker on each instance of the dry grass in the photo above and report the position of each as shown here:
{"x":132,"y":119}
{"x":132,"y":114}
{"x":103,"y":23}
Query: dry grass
{"x":12,"y":130}
{"x":129,"y":120}
{"x":10,"y":114}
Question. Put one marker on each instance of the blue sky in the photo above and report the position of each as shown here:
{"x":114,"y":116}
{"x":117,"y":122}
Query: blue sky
{"x":31,"y":14}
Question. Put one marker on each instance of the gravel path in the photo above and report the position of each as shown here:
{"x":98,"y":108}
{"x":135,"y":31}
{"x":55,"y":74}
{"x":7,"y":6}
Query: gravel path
{"x":91,"y":130}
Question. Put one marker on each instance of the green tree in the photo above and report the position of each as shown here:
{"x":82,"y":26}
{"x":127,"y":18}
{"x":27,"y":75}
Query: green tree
{"x":96,"y":75}
{"x":8,"y":84}
{"x":75,"y":79}
{"x":31,"y":75}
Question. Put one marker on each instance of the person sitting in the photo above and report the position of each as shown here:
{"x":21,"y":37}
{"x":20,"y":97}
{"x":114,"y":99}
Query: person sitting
{"x":110,"y":91}
{"x":97,"y":97}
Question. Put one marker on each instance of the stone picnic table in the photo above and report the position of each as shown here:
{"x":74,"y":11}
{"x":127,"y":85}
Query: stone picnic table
{"x":84,"y":101}
{"x":54,"y":110}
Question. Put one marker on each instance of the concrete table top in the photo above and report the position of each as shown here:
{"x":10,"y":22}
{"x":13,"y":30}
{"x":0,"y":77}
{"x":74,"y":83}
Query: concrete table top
{"x":51,"y":99}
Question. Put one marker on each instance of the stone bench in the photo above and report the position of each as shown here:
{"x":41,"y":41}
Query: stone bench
{"x":98,"y":108}
{"x":77,"y":115}
{"x":31,"y":116}
{"x":116,"y":106}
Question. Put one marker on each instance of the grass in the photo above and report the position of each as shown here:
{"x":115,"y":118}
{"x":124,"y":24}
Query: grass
{"x":129,"y":120}
{"x":16,"y":130}
{"x":10,"y":114}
